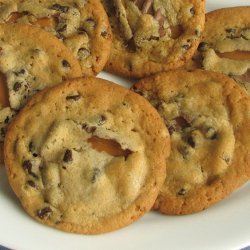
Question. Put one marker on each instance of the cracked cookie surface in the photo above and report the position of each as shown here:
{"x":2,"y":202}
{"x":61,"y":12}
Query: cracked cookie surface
{"x":226,"y":48}
{"x":86,"y":161}
{"x":208,"y":117}
{"x":150,"y":36}
{"x":30,"y":60}
{"x":82,"y":25}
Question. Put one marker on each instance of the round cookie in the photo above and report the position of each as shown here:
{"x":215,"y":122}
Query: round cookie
{"x":208,"y":117}
{"x":30,"y":60}
{"x":151,"y":36}
{"x":82,"y":25}
{"x":225,"y":45}
{"x":87,"y":162}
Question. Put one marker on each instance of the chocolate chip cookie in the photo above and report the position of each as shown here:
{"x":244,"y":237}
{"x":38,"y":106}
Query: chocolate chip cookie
{"x":30,"y":60}
{"x":150,"y":36}
{"x":82,"y":25}
{"x":225,"y":45}
{"x":87,"y":161}
{"x":208,"y":117}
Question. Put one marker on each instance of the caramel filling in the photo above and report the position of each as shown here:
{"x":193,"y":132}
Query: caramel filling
{"x":109,"y":146}
{"x":46,"y":22}
{"x":13,"y":17}
{"x":235,"y":55}
{"x":4,"y":93}
{"x":43,"y":22}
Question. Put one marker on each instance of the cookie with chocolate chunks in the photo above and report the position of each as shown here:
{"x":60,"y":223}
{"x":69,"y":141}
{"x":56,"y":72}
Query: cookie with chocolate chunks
{"x":81,"y":25}
{"x":208,"y":117}
{"x":30,"y":60}
{"x":86,"y":162}
{"x":226,"y":48}
{"x":151,"y":36}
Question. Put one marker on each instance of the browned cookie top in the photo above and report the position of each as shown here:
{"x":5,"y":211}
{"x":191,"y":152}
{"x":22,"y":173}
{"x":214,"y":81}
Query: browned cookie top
{"x":82,"y":25}
{"x":87,"y":156}
{"x":152,"y":35}
{"x":208,"y":117}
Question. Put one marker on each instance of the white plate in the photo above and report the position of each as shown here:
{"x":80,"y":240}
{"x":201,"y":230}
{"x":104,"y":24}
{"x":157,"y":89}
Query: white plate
{"x":223,"y":226}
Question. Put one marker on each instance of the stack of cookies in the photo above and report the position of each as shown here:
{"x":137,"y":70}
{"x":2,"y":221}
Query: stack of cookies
{"x":86,"y":155}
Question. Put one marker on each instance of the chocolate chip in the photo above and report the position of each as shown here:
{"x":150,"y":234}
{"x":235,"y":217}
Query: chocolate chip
{"x":155,"y":38}
{"x":60,"y":36}
{"x":91,"y":129}
{"x":31,"y":183}
{"x":127,"y":153}
{"x":96,"y":173}
{"x":137,"y":91}
{"x":82,"y":31}
{"x":31,"y":146}
{"x":63,"y":28}
{"x":171,"y":130}
{"x":211,"y":134}
{"x":44,"y":212}
{"x":227,"y":159}
{"x":182,"y":191}
{"x":232,"y":33}
{"x":158,"y":105}
{"x":73,"y":97}
{"x":90,"y":23}
{"x":20,"y":72}
{"x":17,"y":86}
{"x":203,"y":46}
{"x":102,"y":120}
{"x":182,"y":122}
{"x":185,"y":152}
{"x":131,"y":45}
{"x":41,"y":167}
{"x":214,"y":136}
{"x":65,"y":64}
{"x":83,"y":53}
{"x":68,"y":156}
{"x":59,"y":7}
{"x":32,"y":149}
{"x":88,"y":129}
{"x":186,"y":46}
{"x":104,"y":33}
{"x":192,"y":11}
{"x":6,"y":121}
{"x":230,"y":30}
{"x":191,"y":141}
{"x":25,"y":13}
{"x":27,"y":165}
{"x":197,"y":32}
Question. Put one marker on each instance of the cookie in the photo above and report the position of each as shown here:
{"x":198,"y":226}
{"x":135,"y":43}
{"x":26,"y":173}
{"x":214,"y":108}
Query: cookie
{"x":208,"y":117}
{"x":30,"y":60}
{"x":82,"y":25}
{"x":226,"y":48}
{"x":84,"y":160}
{"x":150,"y":36}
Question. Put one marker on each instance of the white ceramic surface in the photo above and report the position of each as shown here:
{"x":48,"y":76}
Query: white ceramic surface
{"x":223,"y":226}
